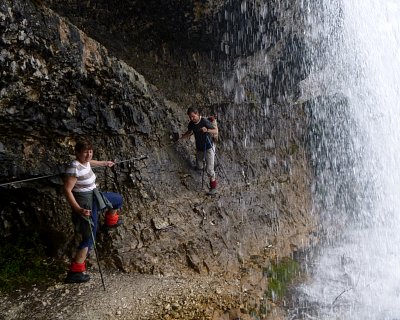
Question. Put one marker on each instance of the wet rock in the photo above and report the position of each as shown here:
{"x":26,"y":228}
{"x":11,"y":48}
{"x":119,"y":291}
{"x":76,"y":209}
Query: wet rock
{"x":57,"y":83}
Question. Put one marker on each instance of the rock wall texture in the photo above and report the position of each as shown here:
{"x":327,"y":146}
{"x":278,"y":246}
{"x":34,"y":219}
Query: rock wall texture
{"x":124,"y":75}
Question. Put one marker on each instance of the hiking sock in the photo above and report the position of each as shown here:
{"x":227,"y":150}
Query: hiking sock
{"x":77,"y":267}
{"x":213,"y":188}
{"x":112,"y":220}
{"x":75,"y":273}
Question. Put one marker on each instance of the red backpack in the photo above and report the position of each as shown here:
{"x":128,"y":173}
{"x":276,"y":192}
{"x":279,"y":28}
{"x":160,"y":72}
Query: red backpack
{"x":213,"y":121}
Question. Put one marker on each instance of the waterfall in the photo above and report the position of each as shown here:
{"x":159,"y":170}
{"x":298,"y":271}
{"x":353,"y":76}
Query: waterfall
{"x":348,"y":75}
{"x":355,"y":88}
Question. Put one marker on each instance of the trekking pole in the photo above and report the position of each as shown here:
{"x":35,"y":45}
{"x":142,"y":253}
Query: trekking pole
{"x":95,"y":251}
{"x":219,"y":161}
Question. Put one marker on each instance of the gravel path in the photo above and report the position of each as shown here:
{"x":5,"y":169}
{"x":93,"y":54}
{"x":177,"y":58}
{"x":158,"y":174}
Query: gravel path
{"x":127,"y":296}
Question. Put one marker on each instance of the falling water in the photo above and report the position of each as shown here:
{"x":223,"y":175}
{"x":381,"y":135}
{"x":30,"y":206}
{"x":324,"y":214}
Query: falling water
{"x":357,"y":155}
{"x":352,"y":88}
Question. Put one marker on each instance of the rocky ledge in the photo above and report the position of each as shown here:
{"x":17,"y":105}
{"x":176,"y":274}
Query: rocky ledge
{"x":57,"y":84}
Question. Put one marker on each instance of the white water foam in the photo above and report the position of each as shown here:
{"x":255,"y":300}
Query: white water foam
{"x":358,"y":275}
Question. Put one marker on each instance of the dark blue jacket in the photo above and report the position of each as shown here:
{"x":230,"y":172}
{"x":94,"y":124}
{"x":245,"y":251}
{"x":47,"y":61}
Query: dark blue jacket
{"x":203,"y":139}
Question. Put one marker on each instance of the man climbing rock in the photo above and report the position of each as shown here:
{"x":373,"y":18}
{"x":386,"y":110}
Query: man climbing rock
{"x":86,"y":203}
{"x":202,"y":128}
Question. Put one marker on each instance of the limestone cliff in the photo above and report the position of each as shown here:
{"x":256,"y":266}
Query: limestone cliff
{"x":58,"y":83}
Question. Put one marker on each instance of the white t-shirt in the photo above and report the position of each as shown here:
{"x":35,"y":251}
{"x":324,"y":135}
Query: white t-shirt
{"x":86,"y":177}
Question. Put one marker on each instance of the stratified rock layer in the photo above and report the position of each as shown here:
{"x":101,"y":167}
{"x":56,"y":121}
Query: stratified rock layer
{"x":57,"y":84}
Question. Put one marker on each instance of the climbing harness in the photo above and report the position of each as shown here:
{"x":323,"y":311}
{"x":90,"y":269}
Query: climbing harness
{"x":57,"y":174}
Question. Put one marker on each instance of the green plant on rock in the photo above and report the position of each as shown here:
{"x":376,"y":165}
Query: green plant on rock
{"x":280,"y":276}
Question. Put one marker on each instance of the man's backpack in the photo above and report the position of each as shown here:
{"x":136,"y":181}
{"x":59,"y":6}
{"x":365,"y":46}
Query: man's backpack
{"x":213,"y":121}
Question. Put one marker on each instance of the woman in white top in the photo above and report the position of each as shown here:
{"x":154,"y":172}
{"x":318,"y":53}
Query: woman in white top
{"x":86,"y":202}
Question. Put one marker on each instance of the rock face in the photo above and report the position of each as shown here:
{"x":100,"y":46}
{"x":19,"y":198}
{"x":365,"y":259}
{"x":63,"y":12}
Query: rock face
{"x":58,"y":83}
